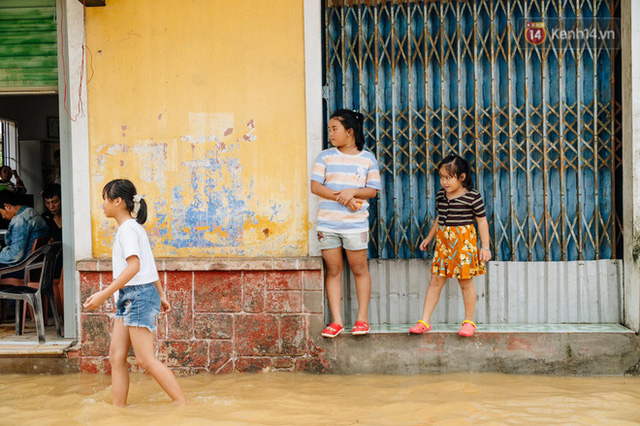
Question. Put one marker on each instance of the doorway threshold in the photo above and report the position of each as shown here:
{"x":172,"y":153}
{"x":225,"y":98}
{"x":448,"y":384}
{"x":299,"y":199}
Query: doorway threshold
{"x":27,"y":344}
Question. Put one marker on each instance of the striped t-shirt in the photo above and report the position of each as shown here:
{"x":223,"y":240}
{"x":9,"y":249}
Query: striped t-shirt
{"x":338,"y":171}
{"x":461,"y":210}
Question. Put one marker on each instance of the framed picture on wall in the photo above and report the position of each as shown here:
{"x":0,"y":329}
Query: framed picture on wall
{"x":53,"y":127}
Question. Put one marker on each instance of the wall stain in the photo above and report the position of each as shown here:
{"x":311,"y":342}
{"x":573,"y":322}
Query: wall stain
{"x":202,"y":200}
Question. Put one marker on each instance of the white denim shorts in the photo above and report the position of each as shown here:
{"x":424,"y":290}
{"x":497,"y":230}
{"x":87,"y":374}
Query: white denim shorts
{"x":352,"y":241}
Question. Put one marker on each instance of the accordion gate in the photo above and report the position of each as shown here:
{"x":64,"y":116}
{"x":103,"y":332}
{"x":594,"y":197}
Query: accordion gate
{"x":539,"y":125}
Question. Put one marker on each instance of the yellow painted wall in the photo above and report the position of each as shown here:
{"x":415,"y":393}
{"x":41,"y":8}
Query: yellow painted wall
{"x":201,"y":104}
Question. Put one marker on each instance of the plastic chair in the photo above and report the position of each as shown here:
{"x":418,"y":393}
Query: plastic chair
{"x":39,"y":242}
{"x":42,"y":260}
{"x":58,"y":294}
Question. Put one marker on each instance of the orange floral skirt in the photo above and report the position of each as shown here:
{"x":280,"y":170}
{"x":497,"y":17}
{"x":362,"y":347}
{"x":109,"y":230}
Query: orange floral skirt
{"x":456,"y":253}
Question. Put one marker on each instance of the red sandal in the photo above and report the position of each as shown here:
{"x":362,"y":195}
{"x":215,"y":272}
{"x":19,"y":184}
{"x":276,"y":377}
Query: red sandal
{"x":332,"y":330}
{"x":360,"y":328}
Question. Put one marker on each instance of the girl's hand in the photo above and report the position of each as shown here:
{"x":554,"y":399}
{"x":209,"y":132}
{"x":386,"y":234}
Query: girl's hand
{"x":485,"y":255}
{"x":165,"y":307}
{"x":354,"y":205}
{"x":94,"y":301}
{"x":344,"y":196}
{"x":424,"y":244}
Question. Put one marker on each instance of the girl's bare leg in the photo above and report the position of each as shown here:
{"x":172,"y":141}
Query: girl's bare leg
{"x":359,"y":267}
{"x":469,"y":298}
{"x":118,"y":351}
{"x":333,"y":281}
{"x":142,"y":340}
{"x":432,"y":297}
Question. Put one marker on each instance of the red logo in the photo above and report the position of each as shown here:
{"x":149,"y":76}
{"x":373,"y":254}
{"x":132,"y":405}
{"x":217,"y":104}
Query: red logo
{"x":535,"y":32}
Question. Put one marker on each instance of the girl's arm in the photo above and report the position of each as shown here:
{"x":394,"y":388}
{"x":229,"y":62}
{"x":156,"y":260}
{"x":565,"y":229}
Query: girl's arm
{"x":322,"y":191}
{"x":352,"y":198}
{"x":346,"y":197}
{"x":97,"y":299}
{"x":432,"y":233}
{"x":485,"y":239}
{"x":164,"y":303}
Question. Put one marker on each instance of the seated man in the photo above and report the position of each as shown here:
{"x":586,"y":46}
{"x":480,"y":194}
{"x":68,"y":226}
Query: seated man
{"x":25,"y":226}
{"x":53,"y":216}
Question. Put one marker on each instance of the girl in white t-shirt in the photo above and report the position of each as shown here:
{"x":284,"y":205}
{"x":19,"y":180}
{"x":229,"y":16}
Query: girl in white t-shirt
{"x":140,"y":296}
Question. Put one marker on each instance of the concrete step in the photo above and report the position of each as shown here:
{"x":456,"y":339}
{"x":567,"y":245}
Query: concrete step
{"x":30,"y":347}
{"x":24,"y":354}
{"x":560,"y":349}
{"x":507,"y":328}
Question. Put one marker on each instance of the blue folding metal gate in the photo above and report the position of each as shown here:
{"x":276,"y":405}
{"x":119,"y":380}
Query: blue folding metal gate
{"x":540,"y":125}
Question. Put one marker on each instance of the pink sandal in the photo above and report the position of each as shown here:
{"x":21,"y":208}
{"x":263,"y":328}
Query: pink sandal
{"x":360,"y":328}
{"x":420,"y":327}
{"x":468,"y":328}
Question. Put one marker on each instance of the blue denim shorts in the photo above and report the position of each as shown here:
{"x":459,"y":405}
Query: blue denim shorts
{"x":350,"y":241}
{"x":138,"y":305}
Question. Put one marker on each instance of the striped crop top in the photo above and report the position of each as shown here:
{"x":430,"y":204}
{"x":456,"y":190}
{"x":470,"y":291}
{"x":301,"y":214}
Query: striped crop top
{"x":461,"y":210}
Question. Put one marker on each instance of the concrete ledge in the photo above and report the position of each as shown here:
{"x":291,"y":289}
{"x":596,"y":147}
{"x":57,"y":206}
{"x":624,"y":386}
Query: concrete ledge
{"x":24,"y":355}
{"x":215,"y":264}
{"x":41,"y":365}
{"x":506,"y":328}
{"x":569,"y":353}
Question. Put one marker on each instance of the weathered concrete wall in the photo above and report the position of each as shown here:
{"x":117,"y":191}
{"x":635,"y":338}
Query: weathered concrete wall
{"x":202,"y":105}
{"x":579,"y":354}
{"x":227,"y":315}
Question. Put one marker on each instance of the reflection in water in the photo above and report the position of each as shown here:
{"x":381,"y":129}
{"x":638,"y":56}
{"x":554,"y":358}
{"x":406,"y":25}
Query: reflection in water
{"x":294,"y":398}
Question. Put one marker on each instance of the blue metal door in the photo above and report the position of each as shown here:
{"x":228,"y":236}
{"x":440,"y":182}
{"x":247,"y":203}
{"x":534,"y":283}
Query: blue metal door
{"x":539,"y":124}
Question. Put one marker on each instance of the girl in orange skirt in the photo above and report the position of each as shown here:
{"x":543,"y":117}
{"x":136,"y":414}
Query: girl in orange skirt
{"x":456,"y":254}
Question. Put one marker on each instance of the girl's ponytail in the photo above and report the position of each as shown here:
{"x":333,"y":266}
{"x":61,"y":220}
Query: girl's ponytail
{"x":352,"y":120}
{"x":141,"y":213}
{"x":126,"y":190}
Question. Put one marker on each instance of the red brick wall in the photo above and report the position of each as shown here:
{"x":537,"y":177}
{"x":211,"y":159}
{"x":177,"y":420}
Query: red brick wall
{"x":221,"y":320}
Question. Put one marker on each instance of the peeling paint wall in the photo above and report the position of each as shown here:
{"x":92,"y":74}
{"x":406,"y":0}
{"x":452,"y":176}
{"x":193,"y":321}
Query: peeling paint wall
{"x":202,"y":105}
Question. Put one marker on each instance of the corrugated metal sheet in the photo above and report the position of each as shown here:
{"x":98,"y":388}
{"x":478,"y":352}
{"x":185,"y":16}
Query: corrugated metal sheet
{"x":510,"y":293}
{"x":28,"y":46}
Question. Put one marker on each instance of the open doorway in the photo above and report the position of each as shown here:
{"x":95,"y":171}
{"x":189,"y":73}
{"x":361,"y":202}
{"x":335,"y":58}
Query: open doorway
{"x":42,"y":60}
{"x":30,"y":167}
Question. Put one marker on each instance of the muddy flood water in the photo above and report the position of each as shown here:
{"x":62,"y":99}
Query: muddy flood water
{"x":301,"y":399}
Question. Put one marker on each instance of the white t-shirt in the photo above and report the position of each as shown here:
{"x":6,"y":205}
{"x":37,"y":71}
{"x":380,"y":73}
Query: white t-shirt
{"x":131,"y":239}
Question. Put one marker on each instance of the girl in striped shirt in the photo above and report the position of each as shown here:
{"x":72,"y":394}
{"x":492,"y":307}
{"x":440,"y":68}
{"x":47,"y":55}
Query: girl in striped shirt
{"x":456,"y":254}
{"x":345,"y":177}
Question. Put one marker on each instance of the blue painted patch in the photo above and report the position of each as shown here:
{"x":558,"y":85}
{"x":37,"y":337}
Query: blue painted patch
{"x":215,"y":205}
